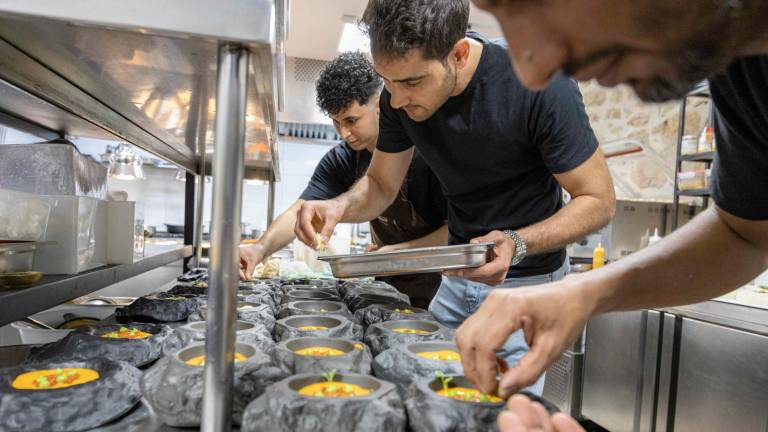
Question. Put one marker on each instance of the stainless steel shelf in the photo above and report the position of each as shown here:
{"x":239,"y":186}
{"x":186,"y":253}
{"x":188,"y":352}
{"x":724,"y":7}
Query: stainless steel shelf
{"x":694,"y":193}
{"x":56,"y":289}
{"x":698,"y":157}
{"x":131,"y":71}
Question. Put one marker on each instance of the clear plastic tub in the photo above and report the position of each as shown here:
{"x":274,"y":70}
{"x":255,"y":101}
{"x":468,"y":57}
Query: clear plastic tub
{"x":23,"y":216}
{"x":691,"y":180}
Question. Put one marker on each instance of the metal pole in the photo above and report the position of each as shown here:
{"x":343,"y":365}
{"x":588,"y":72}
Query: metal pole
{"x":271,"y":202}
{"x":202,"y":129}
{"x":228,"y":171}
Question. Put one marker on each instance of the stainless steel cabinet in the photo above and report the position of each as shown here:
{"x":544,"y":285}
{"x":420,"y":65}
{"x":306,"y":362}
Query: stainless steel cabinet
{"x":620,"y":369}
{"x":722,"y":380}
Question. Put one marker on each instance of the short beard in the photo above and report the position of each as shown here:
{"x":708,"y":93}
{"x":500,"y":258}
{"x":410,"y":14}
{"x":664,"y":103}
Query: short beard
{"x":699,"y":61}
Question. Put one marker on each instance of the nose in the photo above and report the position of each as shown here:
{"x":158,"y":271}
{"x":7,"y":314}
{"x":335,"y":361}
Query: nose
{"x":345,"y":132}
{"x":398,"y":99}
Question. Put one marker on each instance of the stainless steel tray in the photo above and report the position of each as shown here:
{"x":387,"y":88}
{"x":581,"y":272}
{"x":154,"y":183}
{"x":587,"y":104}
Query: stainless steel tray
{"x":409,"y":261}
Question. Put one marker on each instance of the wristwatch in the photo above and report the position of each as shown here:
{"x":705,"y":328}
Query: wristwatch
{"x":520,"y":248}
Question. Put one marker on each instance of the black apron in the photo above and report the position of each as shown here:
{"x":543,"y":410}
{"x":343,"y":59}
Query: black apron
{"x":400,"y":223}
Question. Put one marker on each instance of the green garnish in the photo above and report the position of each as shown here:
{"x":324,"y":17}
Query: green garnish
{"x":348,"y":388}
{"x":443,"y":379}
{"x":333,"y":388}
{"x":330,"y":375}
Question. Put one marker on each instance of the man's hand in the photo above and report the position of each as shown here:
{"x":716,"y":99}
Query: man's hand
{"x":524,"y":415}
{"x":494,"y":272}
{"x":250,"y":257}
{"x":317,"y":217}
{"x":552,"y":317}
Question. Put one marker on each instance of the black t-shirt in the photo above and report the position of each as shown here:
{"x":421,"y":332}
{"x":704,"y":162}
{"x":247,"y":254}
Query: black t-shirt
{"x":341,"y":167}
{"x":740,"y":171}
{"x":495,"y":148}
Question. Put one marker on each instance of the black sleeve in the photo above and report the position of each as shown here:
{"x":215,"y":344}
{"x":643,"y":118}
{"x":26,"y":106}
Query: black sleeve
{"x":559,"y":126}
{"x":334,"y":175}
{"x":740,"y":170}
{"x":392,"y":136}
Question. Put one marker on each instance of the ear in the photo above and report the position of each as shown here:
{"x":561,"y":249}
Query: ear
{"x":460,"y":53}
{"x":377,"y":101}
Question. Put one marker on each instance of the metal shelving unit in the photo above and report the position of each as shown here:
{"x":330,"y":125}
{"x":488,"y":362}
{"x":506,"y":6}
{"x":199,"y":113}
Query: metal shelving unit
{"x":156,"y":75}
{"x":702,"y":91}
{"x":56,"y":289}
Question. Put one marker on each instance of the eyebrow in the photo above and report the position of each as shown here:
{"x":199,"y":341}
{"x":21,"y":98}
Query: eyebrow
{"x":413,"y":78}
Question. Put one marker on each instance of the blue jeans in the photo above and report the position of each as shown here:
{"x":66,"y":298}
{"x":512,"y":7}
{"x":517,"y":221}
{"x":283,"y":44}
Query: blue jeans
{"x":457,"y":299}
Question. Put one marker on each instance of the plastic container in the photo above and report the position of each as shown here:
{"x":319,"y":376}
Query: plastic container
{"x":24,"y":216}
{"x":690,"y":180}
{"x":690,"y":145}
{"x":706,"y":140}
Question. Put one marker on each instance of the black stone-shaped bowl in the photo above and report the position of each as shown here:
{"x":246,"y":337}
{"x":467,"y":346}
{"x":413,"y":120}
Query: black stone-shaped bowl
{"x":357,"y":357}
{"x":308,"y":295}
{"x":312,"y":307}
{"x":332,"y":290}
{"x":174,"y":389}
{"x":363,"y":299}
{"x":429,"y":411}
{"x":86,"y":342}
{"x":260,"y":297}
{"x":282,"y":409}
{"x":76,"y":408}
{"x":159,"y":308}
{"x":380,"y":336}
{"x":401,"y":364}
{"x":245,"y":332}
{"x":275,"y":290}
{"x":186,"y":288}
{"x":378,"y":312}
{"x":337,"y":326}
{"x":350,"y":287}
{"x":248,"y":312}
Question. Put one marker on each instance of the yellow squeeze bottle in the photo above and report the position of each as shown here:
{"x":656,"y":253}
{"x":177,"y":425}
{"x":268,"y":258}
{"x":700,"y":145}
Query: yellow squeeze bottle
{"x":598,"y":257}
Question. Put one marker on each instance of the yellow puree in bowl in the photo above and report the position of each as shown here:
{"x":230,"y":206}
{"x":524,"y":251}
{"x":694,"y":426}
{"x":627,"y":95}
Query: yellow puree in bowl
{"x":313,"y":328}
{"x":468,"y":395}
{"x":444,"y":355}
{"x":319,"y":351}
{"x":200,"y":360}
{"x":333,"y":390}
{"x":410,"y":331}
{"x":49,"y":379}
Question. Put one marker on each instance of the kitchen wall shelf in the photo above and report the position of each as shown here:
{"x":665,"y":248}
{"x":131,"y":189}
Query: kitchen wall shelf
{"x":53,"y":290}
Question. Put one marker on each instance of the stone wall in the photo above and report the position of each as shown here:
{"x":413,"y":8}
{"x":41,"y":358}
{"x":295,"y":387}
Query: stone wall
{"x":617,"y":114}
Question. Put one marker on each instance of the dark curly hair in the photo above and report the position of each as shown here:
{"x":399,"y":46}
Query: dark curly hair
{"x":397,"y":26}
{"x":348,"y":78}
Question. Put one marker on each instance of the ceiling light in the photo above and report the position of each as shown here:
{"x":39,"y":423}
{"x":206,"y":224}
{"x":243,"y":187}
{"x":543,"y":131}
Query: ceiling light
{"x":125,"y":164}
{"x":352,"y":37}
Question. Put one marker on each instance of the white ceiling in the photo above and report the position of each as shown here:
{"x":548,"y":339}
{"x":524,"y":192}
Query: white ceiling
{"x":316,"y":26}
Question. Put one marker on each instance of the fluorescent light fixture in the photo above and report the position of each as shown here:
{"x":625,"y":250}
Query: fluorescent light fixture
{"x":352,"y":37}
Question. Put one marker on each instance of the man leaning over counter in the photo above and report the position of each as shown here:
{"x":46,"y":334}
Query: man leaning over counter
{"x":348,"y":92}
{"x":503,"y":154}
{"x":661,"y":48}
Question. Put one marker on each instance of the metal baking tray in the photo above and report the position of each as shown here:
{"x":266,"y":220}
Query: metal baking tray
{"x":409,"y":261}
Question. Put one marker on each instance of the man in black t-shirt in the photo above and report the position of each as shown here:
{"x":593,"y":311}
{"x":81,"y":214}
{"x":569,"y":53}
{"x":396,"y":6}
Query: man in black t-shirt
{"x":348,"y":91}
{"x":502,"y":153}
{"x":661,"y":48}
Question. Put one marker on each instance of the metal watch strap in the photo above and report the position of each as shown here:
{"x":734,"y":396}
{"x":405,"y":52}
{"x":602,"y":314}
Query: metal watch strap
{"x":520,"y":248}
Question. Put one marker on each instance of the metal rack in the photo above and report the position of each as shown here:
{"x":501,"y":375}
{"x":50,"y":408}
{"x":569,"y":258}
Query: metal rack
{"x":159,"y":78}
{"x":702,"y":90}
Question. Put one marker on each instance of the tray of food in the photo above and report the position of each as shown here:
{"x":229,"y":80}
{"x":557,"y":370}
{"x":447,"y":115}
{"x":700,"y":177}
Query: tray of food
{"x":409,"y":261}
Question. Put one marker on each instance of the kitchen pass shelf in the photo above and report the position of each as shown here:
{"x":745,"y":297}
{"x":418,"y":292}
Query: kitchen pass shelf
{"x":53,"y":290}
{"x":695,"y":193}
{"x":699,"y":157}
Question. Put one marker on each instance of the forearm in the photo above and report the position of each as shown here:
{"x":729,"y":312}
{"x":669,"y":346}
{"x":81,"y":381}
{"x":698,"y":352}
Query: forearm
{"x":583,"y":215}
{"x":365,"y":201}
{"x":281,"y":232}
{"x":704,"y":259}
{"x":438,"y":237}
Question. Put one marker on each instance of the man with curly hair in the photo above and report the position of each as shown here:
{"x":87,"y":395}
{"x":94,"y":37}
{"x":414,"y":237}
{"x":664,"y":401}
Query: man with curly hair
{"x":348,"y":92}
{"x":503,"y":154}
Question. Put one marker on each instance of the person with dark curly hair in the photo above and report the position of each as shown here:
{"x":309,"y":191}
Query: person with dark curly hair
{"x":348,"y":92}
{"x":503,"y":154}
